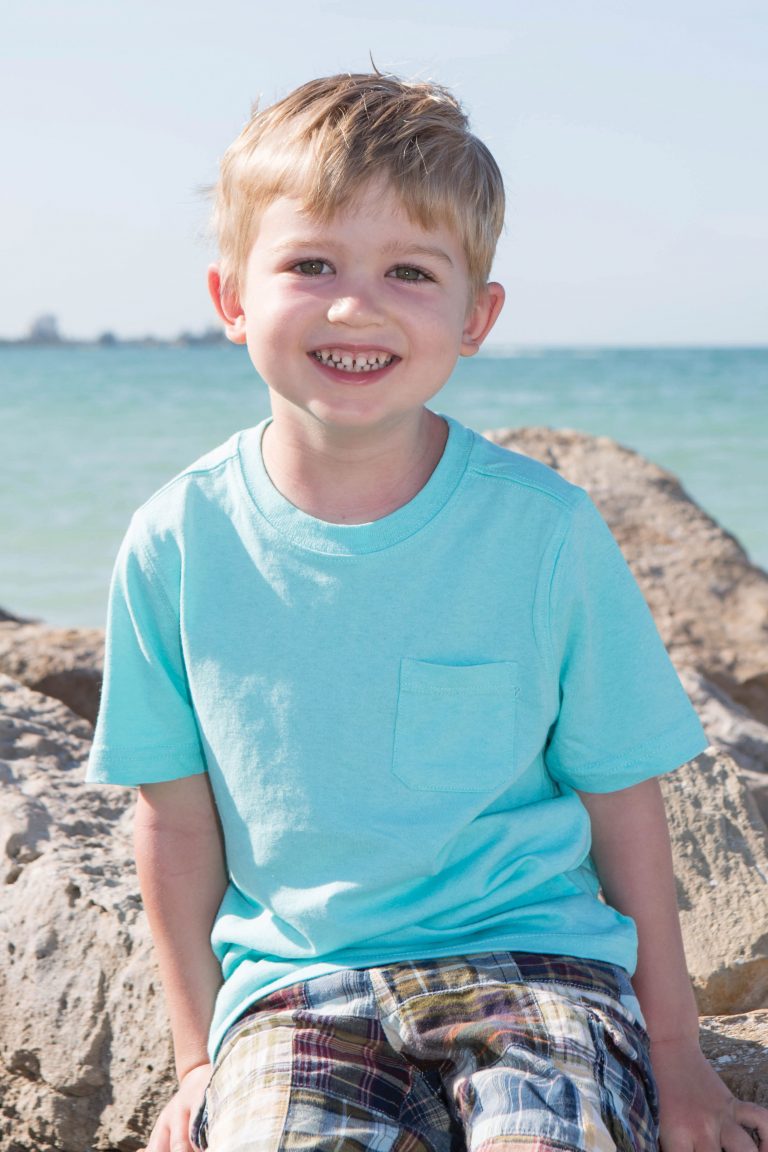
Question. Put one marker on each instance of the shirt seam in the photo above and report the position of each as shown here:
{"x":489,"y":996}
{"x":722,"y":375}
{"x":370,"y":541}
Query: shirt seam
{"x":567,"y":501}
{"x":624,"y":760}
{"x":188,"y":473}
{"x":115,"y":752}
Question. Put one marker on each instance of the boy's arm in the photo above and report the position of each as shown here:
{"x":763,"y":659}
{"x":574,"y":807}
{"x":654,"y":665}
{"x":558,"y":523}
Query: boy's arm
{"x":633,"y":857}
{"x":182,"y":874}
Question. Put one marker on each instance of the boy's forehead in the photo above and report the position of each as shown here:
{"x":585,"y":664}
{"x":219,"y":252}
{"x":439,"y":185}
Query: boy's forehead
{"x":376,"y":210}
{"x":376,"y":198}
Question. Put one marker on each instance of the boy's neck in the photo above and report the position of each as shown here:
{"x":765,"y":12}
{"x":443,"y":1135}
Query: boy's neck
{"x":353,"y":479}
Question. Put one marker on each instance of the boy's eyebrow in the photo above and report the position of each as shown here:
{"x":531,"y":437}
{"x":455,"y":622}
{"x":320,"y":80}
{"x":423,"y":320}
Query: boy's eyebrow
{"x":398,"y":249}
{"x":295,"y":242}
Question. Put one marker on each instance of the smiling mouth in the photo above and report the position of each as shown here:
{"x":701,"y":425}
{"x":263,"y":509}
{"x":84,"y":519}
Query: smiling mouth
{"x":372,"y":361}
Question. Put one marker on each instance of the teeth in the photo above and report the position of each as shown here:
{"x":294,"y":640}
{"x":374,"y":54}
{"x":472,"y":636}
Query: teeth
{"x":353,"y":362}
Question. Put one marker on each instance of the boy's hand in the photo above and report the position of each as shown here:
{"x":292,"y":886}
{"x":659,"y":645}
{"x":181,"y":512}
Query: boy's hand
{"x":697,"y":1112}
{"x":171,"y":1130}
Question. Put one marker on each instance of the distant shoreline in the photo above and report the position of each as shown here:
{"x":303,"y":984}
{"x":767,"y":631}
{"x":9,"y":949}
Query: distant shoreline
{"x":209,"y":338}
{"x":216,"y":338}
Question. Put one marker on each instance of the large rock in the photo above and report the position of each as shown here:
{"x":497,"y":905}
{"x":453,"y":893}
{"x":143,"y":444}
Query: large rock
{"x":737,"y":1047}
{"x":85,"y":1059}
{"x":720,"y":852}
{"x":66,"y":663}
{"x":709,"y":602}
{"x":728,"y":724}
{"x":9,"y":618}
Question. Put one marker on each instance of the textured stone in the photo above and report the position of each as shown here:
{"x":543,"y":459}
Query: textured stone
{"x":66,"y":663}
{"x":9,"y":618}
{"x":738,"y":1049}
{"x":757,"y":783}
{"x":721,"y":867}
{"x":728,"y":724}
{"x":85,"y":1059}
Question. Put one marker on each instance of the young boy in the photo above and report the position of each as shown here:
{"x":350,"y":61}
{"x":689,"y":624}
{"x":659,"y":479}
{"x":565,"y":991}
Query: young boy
{"x":395,"y":705}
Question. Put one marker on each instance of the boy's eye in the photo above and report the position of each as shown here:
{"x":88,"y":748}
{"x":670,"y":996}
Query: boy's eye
{"x":407,"y":272}
{"x":312,"y":267}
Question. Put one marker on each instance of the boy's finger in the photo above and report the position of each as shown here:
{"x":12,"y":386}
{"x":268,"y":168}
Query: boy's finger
{"x":158,"y":1141}
{"x":755,"y":1120}
{"x":180,"y":1141}
{"x":735,"y":1138}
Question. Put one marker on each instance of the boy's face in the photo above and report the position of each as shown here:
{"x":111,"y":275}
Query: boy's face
{"x":357,"y":321}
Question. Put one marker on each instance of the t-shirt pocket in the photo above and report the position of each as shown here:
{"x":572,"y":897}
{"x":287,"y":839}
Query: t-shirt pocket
{"x":455,"y":725}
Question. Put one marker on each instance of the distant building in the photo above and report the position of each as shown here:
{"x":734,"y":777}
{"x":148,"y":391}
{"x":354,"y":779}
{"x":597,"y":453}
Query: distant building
{"x":44,"y":330}
{"x":212,"y":335}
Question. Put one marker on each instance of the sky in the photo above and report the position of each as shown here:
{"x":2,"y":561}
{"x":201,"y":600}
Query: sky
{"x":631,"y":138}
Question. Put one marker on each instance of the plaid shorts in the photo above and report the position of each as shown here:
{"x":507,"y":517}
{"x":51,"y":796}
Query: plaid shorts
{"x":483,"y":1052}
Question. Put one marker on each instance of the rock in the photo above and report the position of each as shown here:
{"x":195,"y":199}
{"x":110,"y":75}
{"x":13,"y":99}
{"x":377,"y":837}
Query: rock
{"x":757,"y":783}
{"x":720,"y":850}
{"x":66,"y":663}
{"x":9,"y":618}
{"x":709,"y":602}
{"x":85,"y":1057}
{"x":737,"y":1046}
{"x":752,"y":694}
{"x":728,"y":724}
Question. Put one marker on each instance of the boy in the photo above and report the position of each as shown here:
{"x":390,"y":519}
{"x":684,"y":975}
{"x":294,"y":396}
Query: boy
{"x":375,"y":678}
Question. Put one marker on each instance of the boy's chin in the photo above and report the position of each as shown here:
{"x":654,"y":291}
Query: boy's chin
{"x":351,"y":417}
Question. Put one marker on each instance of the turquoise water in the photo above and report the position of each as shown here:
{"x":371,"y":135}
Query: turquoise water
{"x":86,"y":434}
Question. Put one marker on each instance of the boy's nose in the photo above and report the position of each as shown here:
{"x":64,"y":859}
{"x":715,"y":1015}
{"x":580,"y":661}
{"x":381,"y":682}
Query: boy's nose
{"x":357,"y":308}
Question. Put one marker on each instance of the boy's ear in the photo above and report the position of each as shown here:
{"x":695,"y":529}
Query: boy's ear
{"x":482,"y":317}
{"x":227,"y":304}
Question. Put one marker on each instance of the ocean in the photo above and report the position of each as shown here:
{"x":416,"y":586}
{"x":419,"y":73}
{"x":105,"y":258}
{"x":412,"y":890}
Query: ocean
{"x":88,"y":433}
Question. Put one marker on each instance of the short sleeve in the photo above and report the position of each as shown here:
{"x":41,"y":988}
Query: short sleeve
{"x":146,"y":730}
{"x":623,"y":716}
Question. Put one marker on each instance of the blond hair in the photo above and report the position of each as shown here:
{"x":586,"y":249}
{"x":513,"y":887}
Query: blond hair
{"x":329,"y":138}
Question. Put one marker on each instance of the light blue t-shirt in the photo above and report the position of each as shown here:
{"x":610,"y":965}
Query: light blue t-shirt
{"x":393,"y":716}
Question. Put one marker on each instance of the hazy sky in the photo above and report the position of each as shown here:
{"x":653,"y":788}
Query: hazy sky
{"x":632,"y":138}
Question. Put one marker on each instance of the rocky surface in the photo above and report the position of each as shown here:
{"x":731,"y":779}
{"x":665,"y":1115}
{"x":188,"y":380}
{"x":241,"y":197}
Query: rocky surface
{"x":720,"y":849}
{"x":729,"y":724}
{"x":85,"y":1060}
{"x":732,"y":728}
{"x":9,"y":618}
{"x":66,"y":663}
{"x":737,"y":1046}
